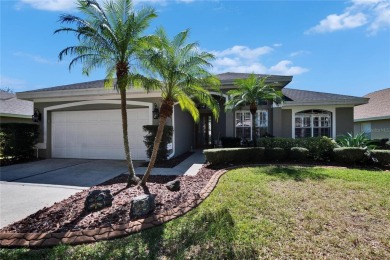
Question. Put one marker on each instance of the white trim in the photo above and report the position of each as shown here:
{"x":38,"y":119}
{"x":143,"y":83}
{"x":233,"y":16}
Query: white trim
{"x":371,"y":118}
{"x":347,"y":102}
{"x":331,"y":109}
{"x":173,"y":134}
{"x":220,"y":94}
{"x":89,"y":102}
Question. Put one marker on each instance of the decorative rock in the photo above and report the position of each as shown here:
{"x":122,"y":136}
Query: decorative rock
{"x":143,"y":205}
{"x":97,"y":200}
{"x":173,"y":185}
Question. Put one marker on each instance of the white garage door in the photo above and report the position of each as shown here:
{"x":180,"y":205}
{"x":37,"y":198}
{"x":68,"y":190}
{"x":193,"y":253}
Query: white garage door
{"x":97,"y":134}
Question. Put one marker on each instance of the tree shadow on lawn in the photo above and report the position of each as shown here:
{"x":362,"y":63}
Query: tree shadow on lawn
{"x":206,"y":235}
{"x":295,"y":173}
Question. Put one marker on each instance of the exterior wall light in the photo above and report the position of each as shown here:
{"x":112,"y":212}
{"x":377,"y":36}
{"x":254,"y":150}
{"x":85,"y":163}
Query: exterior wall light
{"x":156,"y":112}
{"x":36,"y":117}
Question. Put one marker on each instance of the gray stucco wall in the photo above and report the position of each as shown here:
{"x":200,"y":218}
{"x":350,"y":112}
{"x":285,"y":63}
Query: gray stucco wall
{"x":379,"y":128}
{"x":344,"y":121}
{"x":276,"y":121}
{"x":286,"y":125}
{"x":183,"y":131}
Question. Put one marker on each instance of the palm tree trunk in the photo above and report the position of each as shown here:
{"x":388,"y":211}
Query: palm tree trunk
{"x":253,"y":110}
{"x":132,"y":179}
{"x":156,"y":146}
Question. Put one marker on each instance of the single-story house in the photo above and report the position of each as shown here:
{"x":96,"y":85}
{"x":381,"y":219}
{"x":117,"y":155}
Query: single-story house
{"x":13,"y":110}
{"x":84,"y":121}
{"x":373,"y":118}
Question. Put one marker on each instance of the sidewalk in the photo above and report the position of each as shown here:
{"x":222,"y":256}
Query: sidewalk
{"x":189,"y":166}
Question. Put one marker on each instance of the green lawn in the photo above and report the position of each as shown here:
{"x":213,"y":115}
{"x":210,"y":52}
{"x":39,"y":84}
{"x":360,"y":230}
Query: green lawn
{"x":263,"y":212}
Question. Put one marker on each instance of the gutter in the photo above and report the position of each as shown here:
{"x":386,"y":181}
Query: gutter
{"x":371,"y":118}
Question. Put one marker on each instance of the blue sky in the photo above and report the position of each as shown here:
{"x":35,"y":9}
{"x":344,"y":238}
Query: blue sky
{"x":331,"y":46}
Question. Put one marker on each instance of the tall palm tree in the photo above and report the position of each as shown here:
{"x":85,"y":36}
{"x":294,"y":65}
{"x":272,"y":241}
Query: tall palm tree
{"x":180,"y":73}
{"x":251,"y":91}
{"x":110,"y":37}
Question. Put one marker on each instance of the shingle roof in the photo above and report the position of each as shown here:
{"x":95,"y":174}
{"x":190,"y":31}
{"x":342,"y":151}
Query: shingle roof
{"x":378,"y":105}
{"x":83,"y":85}
{"x":224,"y":78}
{"x":305,"y":95}
{"x":9,"y":104}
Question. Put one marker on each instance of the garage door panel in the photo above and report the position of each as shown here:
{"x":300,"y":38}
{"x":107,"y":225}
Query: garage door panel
{"x":97,"y":134}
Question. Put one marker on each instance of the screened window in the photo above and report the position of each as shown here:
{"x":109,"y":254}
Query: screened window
{"x":244,"y":124}
{"x":313,"y":123}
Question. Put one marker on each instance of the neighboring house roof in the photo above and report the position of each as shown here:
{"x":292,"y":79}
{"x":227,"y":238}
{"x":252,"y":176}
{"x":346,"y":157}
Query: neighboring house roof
{"x":10,"y":106}
{"x":377,"y":108}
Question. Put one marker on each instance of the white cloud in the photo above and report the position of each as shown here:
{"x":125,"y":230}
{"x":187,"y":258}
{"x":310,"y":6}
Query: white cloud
{"x":284,"y":68}
{"x":375,"y":14}
{"x":50,"y":5}
{"x":243,"y":52}
{"x":12,"y":83}
{"x":299,"y":53}
{"x":277,"y":45}
{"x":33,"y":57}
{"x":246,"y":60}
{"x":336,"y":22}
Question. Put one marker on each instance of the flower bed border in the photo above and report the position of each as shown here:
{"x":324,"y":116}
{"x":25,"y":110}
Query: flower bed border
{"x":50,"y":239}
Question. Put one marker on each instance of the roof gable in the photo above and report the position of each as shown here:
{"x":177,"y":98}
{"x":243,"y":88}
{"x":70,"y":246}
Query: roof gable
{"x":377,"y":107}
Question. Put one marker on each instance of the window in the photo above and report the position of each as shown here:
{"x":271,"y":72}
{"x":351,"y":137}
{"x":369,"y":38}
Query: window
{"x":244,"y":124}
{"x":313,"y":123}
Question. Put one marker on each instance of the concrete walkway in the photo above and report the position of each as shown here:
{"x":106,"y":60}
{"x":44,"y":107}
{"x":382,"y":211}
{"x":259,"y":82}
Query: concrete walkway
{"x":26,"y":188}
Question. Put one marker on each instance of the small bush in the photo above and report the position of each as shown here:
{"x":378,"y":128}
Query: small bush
{"x":275,"y":154}
{"x":230,"y":142}
{"x":162,"y":154}
{"x":382,"y":156}
{"x":349,"y":155}
{"x":234,"y":155}
{"x":298,"y":154}
{"x":17,"y":141}
{"x":271,"y":142}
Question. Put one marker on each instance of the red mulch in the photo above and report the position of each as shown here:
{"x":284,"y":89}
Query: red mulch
{"x":68,"y":215}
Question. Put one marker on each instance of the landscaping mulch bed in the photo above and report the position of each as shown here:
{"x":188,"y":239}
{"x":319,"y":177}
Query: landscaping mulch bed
{"x":69,"y":214}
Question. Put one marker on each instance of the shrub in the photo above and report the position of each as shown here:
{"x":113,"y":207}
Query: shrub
{"x":234,"y":155}
{"x":320,"y":148}
{"x":162,"y":154}
{"x":230,"y":142}
{"x":380,"y":144}
{"x":271,"y":142}
{"x":348,"y":140}
{"x":298,"y":154}
{"x":17,"y":141}
{"x":275,"y":154}
{"x":382,"y":156}
{"x":349,"y":155}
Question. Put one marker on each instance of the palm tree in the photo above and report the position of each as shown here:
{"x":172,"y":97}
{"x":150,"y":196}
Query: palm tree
{"x":110,"y":37}
{"x":251,"y":91}
{"x":180,"y":73}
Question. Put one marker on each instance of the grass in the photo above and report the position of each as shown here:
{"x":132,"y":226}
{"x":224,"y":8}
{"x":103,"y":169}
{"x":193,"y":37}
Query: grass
{"x":263,"y":212}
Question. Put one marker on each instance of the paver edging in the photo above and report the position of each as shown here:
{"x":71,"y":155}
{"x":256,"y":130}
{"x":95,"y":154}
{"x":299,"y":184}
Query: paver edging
{"x":48,"y":239}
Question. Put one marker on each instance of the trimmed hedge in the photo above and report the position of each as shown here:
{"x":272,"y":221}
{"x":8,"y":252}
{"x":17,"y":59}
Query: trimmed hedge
{"x":320,"y":148}
{"x":162,"y":154}
{"x":230,"y":142}
{"x":382,"y":156}
{"x":17,"y":141}
{"x":275,"y":154}
{"x":298,"y":154}
{"x":234,"y":155}
{"x":349,"y":155}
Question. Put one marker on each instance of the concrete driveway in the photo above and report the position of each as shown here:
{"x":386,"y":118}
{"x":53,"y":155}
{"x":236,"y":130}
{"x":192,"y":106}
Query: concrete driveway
{"x":26,"y":188}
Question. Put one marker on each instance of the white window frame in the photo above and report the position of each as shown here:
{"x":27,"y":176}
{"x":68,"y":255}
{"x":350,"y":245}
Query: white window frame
{"x":261,"y":120}
{"x":304,"y":115}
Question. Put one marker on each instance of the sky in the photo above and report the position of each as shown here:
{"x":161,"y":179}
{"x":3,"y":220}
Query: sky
{"x":335,"y":46}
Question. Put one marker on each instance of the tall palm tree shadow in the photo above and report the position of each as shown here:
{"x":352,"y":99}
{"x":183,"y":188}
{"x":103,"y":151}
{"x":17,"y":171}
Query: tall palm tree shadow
{"x":295,"y":173}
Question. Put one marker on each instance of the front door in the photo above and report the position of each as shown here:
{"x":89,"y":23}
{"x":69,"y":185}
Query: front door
{"x":203,"y":131}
